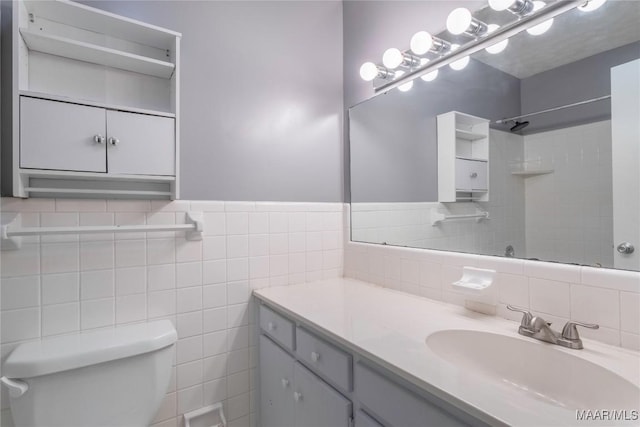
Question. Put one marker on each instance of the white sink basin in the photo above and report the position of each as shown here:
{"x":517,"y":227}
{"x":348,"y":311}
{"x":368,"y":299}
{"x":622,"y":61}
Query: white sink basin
{"x":537,"y":369}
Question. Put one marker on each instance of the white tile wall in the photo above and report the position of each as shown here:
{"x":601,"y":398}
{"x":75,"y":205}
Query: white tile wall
{"x":570,"y":211}
{"x":409,"y":224}
{"x":65,"y":284}
{"x":558,"y":292}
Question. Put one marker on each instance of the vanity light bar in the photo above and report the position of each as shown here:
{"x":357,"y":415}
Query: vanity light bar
{"x":503,"y":33}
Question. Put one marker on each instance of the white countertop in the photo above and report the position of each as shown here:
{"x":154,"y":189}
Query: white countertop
{"x":390,"y":328}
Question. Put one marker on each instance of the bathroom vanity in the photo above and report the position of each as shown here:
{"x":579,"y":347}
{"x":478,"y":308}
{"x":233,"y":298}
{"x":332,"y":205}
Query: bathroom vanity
{"x":343,"y":351}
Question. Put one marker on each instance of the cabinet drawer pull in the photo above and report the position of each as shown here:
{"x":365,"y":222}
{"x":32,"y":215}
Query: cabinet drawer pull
{"x":297,"y":396}
{"x":271,"y":326}
{"x":315,"y":356}
{"x":285,"y":383}
{"x":114,"y":141}
{"x":98,"y":139}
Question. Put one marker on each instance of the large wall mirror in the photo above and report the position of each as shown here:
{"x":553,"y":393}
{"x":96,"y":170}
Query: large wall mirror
{"x":530,"y":153}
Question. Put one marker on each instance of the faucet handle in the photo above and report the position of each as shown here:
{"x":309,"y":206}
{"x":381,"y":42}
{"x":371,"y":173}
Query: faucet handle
{"x":570,"y":332}
{"x":527,"y":317}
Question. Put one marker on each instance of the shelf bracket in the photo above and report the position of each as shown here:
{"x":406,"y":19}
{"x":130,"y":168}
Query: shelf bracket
{"x":195,"y":218}
{"x":10,"y":243}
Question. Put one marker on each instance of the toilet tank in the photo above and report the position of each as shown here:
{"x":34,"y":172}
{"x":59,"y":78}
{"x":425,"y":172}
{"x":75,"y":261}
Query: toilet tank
{"x":113,"y":377}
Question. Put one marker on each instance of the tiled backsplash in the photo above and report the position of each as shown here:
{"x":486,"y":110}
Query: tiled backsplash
{"x":63,"y":284}
{"x":557,"y":292}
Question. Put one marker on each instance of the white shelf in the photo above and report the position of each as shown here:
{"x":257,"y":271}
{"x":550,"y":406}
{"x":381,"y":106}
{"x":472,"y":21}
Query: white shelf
{"x":95,"y":20}
{"x":469,"y":136}
{"x":475,"y":159}
{"x":54,"y":174}
{"x":59,"y":98}
{"x":87,"y":52}
{"x":93,"y":191}
{"x":527,"y":173}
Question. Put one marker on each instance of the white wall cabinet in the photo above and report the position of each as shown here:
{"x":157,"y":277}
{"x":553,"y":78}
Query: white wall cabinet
{"x":60,"y":136}
{"x":463,"y":158}
{"x":70,"y":137}
{"x":74,"y":75}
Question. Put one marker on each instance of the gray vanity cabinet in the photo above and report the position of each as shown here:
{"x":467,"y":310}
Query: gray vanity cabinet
{"x":307,"y":380}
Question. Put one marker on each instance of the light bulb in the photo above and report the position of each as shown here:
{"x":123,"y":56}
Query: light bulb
{"x":459,"y":20}
{"x":406,"y":86}
{"x":540,"y":28}
{"x":460,"y":64}
{"x":498,"y":47}
{"x":501,"y":5}
{"x":368,"y":71}
{"x":591,"y":5}
{"x":429,"y":77}
{"x":421,"y":42}
{"x":392,"y":58}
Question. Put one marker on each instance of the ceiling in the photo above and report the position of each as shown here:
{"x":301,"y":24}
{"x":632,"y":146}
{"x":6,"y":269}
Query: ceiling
{"x":574,"y":35}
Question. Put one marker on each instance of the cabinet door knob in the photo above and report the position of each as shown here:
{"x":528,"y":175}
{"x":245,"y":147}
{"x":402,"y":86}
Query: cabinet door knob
{"x":98,"y":139}
{"x":271,"y":326}
{"x":114,"y":141}
{"x":474,"y":175}
{"x":625,"y":248}
{"x":285,"y":383}
{"x":315,"y":356}
{"x":297,"y":396}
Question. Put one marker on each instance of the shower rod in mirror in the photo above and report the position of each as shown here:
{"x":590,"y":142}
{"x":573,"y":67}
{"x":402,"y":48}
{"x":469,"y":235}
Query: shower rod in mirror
{"x":400,"y":68}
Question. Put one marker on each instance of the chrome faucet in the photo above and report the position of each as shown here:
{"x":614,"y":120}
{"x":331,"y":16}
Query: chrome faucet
{"x":536,"y":327}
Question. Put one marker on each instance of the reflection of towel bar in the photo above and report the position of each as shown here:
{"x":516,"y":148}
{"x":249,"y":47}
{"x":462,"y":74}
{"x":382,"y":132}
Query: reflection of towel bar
{"x":437,"y":217}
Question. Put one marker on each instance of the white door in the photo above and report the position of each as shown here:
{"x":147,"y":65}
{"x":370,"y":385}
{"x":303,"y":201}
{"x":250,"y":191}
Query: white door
{"x":140,"y":144}
{"x":625,"y":133}
{"x":61,"y":136}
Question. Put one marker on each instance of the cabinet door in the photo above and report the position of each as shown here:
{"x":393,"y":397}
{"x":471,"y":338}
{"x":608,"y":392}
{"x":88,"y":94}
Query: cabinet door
{"x":364,"y":420}
{"x":471,"y":174}
{"x":276,"y":386}
{"x":478,"y":175}
{"x":463,"y":174}
{"x":317,"y":404}
{"x":61,"y":136}
{"x":140,"y":144}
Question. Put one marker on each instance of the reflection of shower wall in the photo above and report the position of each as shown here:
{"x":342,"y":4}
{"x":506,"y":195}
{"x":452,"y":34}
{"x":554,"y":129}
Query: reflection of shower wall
{"x":409,"y":224}
{"x":570,"y":211}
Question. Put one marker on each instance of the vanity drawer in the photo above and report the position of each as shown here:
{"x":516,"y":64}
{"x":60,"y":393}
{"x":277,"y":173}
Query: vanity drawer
{"x":397,"y":406}
{"x":327,"y":360}
{"x":277,"y":327}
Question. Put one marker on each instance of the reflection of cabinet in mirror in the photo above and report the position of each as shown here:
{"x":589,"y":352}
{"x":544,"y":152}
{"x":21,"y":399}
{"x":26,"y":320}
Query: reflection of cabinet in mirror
{"x":463,"y":157}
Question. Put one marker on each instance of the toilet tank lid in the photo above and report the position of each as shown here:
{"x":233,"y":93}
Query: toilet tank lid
{"x":51,"y":355}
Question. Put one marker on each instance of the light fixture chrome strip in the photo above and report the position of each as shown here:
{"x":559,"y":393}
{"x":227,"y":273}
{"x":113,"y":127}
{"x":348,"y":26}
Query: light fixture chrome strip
{"x":549,"y":110}
{"x":550,"y":11}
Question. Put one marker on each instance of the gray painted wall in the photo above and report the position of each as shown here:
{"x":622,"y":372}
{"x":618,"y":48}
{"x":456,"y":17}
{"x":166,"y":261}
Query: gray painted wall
{"x":261,"y":96}
{"x":369,"y":28}
{"x":581,"y":80}
{"x":394,"y":139}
